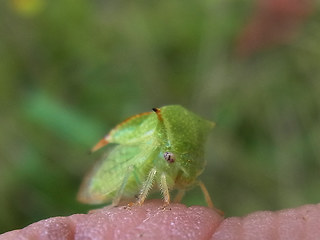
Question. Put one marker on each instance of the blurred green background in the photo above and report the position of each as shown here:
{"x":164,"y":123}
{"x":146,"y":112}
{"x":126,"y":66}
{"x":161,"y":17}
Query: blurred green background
{"x":72,"y":69}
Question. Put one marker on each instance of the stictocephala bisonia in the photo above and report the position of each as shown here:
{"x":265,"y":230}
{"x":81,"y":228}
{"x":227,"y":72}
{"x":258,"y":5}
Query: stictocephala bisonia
{"x":158,"y":150}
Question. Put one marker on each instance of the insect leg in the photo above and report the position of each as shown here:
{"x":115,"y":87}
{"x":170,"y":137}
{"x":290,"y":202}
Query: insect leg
{"x":164,"y":189}
{"x":146,"y":186}
{"x":206,"y":194}
{"x":119,"y":193}
{"x":179,"y":195}
{"x":208,"y":199}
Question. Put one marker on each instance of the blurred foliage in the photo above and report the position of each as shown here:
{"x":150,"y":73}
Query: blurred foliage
{"x":72,"y":69}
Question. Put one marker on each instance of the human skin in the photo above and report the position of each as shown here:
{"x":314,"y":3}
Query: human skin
{"x":152,"y":221}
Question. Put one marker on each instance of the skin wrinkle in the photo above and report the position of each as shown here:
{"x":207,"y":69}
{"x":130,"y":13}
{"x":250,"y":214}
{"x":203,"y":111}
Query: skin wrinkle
{"x":234,"y":227}
{"x":214,"y":228}
{"x":74,"y":219}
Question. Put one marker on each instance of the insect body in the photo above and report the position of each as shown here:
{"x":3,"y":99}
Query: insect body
{"x":164,"y":147}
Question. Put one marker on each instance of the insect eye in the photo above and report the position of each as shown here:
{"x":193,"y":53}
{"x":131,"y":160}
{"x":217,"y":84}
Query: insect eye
{"x":169,"y":157}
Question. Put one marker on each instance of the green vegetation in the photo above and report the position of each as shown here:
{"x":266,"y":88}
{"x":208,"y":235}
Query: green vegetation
{"x":72,"y":69}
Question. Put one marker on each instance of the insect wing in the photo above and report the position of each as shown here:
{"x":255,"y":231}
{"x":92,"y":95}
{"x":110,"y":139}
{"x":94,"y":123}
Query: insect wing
{"x":103,"y":182}
{"x":133,"y":129}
